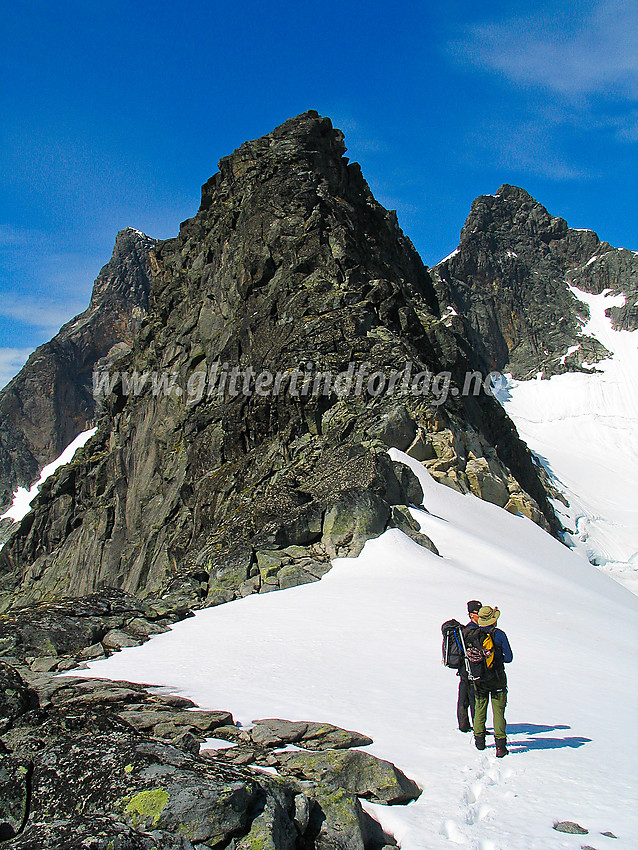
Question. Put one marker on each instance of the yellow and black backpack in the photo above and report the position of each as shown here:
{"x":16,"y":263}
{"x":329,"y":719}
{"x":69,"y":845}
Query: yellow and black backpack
{"x":480,"y":656}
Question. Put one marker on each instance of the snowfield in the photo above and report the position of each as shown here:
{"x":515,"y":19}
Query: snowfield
{"x":362,"y":649}
{"x":22,"y":498}
{"x":584,"y":429}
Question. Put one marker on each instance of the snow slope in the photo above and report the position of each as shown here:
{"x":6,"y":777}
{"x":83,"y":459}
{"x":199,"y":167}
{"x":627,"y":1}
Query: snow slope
{"x":22,"y":497}
{"x":584,"y":429}
{"x":361,"y":648}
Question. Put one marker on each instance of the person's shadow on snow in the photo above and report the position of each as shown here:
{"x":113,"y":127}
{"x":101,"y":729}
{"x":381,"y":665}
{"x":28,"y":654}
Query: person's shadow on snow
{"x":524,"y":745}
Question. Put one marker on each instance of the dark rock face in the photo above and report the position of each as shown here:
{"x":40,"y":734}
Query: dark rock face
{"x":86,"y":763}
{"x":16,"y":698}
{"x":509,"y":280}
{"x":202,"y":498}
{"x":51,"y":400}
{"x":59,"y":635}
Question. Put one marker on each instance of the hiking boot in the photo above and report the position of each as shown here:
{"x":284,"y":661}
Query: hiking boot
{"x":501,"y":748}
{"x":479,"y":741}
{"x":464,"y":728}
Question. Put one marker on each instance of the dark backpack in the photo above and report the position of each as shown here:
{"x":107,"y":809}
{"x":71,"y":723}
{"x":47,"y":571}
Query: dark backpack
{"x":480,"y":659}
{"x":453,"y":654}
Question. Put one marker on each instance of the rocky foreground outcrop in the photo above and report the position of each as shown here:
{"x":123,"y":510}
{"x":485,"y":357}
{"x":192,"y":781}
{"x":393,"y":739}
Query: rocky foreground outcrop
{"x":87,"y":764}
{"x":51,"y":400}
{"x":507,"y":286}
{"x":291,"y":270}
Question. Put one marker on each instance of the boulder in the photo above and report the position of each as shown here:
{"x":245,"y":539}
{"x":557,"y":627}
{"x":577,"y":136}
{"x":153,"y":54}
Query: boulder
{"x":119,"y":639}
{"x":354,"y":518}
{"x":353,"y":771}
{"x":570,"y":828}
{"x":486,"y":481}
{"x":339,"y":822}
{"x":274,"y":827}
{"x":168,"y":722}
{"x":395,"y":428}
{"x":273,"y":732}
{"x":409,"y":483}
{"x":402,"y":519}
{"x":293,"y":575}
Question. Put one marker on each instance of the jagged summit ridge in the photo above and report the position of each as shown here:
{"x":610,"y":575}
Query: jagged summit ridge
{"x":306,"y":139}
{"x":509,"y":281}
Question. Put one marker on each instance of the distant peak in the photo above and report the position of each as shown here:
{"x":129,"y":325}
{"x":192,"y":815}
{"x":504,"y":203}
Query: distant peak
{"x":514,"y":193}
{"x":309,"y":125}
{"x":131,"y":234}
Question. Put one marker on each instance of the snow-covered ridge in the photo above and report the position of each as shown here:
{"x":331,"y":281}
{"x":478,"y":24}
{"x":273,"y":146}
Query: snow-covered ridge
{"x":584,"y":429}
{"x":449,"y":256}
{"x":22,"y":497}
{"x":361,"y":648}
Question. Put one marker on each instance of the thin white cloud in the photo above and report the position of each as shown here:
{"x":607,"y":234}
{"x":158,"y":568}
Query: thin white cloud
{"x":42,"y":286}
{"x":48,"y":316}
{"x":575,"y":67}
{"x":597,"y":54}
{"x":11,"y":361}
{"x":17,"y":237}
{"x":527,"y":148}
{"x":358,"y":137}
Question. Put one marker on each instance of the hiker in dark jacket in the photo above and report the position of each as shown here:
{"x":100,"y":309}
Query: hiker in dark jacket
{"x":465,"y":701}
{"x":495,"y":688}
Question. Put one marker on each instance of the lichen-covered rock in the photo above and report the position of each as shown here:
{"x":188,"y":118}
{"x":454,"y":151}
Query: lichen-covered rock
{"x":273,"y":732}
{"x":355,"y":771}
{"x":395,"y":428}
{"x":104,"y":765}
{"x":357,"y":516}
{"x":338,"y":822}
{"x":88,"y":770}
{"x":95,"y":832}
{"x":16,"y":697}
{"x":14,"y":795}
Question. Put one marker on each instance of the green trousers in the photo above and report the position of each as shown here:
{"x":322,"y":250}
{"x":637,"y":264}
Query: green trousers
{"x":499,"y":701}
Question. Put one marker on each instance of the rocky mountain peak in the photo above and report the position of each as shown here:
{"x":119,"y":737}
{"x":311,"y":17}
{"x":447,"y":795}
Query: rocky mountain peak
{"x":51,"y":400}
{"x":200,"y":492}
{"x":307,"y":141}
{"x":511,"y":280}
{"x":511,"y":215}
{"x":125,"y":276}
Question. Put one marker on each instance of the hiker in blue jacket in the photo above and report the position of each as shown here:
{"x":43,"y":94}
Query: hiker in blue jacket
{"x":465,"y":701}
{"x":494,"y":687}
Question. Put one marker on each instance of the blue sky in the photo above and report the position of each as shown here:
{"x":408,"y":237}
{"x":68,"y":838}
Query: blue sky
{"x":114,"y":114}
